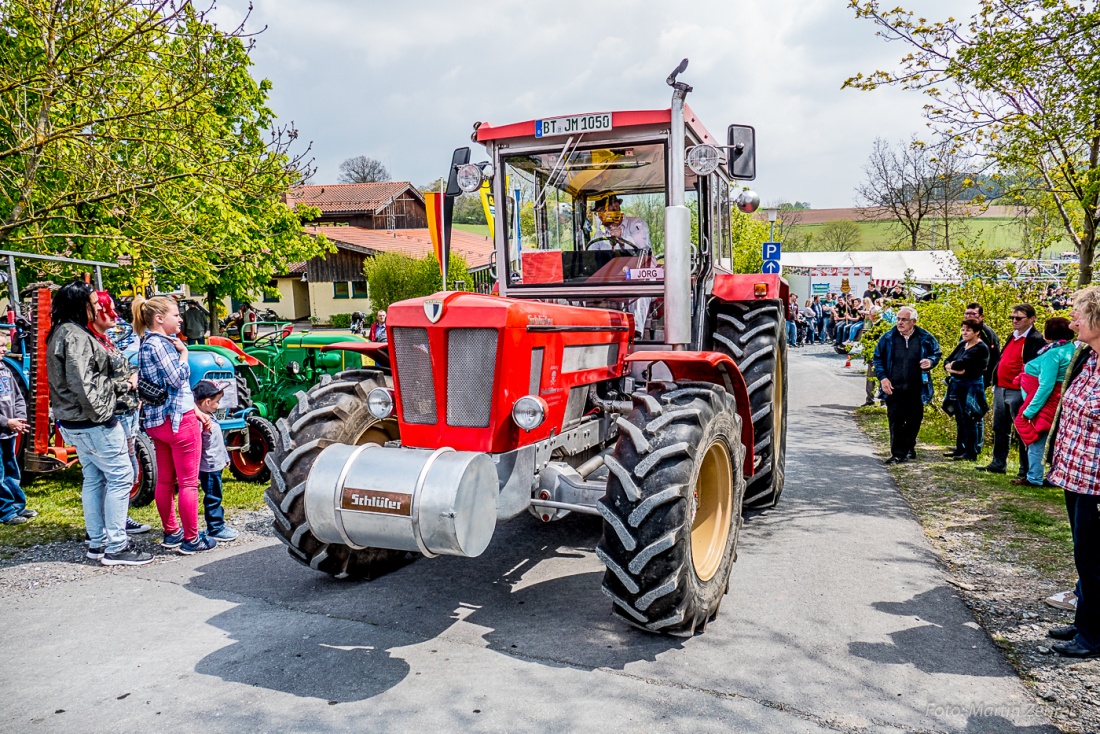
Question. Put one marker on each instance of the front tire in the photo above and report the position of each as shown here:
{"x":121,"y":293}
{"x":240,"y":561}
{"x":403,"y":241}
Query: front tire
{"x":672,"y":512}
{"x":333,"y":411}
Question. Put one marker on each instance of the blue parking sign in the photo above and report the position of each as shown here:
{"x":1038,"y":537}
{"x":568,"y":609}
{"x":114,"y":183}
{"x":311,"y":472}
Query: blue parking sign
{"x":772,"y":250}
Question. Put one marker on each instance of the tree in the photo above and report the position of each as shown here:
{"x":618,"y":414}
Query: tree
{"x":788,"y":222}
{"x":393,"y":277}
{"x":840,"y":236}
{"x":1019,"y":80}
{"x":748,"y":235}
{"x":909,"y":183}
{"x":362,"y":169}
{"x":133,"y":127}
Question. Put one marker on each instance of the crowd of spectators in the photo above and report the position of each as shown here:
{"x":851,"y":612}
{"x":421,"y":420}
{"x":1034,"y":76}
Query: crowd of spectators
{"x":1045,"y":406}
{"x":838,"y":318}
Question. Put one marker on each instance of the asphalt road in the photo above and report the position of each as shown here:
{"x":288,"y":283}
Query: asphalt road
{"x":839,"y":619}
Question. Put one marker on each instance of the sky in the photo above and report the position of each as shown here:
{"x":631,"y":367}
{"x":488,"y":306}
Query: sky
{"x":404,"y":82}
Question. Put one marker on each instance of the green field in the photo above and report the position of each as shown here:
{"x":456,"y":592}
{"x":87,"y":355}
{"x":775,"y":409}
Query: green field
{"x":992,"y":233}
{"x":481,"y":229}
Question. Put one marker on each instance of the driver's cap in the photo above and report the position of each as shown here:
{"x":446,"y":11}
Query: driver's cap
{"x":605,"y":200}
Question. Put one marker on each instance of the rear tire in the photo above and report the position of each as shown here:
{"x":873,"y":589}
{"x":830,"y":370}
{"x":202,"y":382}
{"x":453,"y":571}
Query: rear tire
{"x":249,"y":466}
{"x":754,"y":336}
{"x":672,"y":512}
{"x":333,"y":411}
{"x":145,"y":483}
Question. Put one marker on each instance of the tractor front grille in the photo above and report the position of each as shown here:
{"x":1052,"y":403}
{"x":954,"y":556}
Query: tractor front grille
{"x":471,"y":362}
{"x":415,"y":381}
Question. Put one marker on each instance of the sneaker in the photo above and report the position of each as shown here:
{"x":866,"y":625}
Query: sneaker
{"x":133,"y":527}
{"x":1063,"y":600}
{"x":199,"y":544}
{"x":224,"y":535}
{"x":172,"y":540}
{"x":126,"y":557}
{"x":17,"y":520}
{"x":29,"y":513}
{"x":94,"y":554}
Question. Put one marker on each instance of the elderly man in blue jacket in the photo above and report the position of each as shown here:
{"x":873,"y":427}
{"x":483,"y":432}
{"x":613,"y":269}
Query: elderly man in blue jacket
{"x":903,"y":358}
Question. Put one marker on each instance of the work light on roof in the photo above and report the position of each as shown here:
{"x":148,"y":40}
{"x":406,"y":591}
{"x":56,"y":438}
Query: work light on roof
{"x":704,"y":159}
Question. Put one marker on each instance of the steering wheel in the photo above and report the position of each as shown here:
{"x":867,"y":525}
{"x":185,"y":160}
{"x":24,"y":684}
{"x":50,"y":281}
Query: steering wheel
{"x":619,"y":246}
{"x":273,"y":338}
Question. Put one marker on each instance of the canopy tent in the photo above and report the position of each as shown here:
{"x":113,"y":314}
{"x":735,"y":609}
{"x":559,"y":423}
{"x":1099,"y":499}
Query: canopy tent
{"x":926,"y":266}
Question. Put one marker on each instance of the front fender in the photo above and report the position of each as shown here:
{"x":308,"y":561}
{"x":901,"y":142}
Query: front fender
{"x":715,"y":368}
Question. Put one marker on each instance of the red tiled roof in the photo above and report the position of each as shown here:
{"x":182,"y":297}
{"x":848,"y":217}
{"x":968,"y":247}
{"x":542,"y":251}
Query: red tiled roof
{"x":475,"y":248}
{"x":370,"y":198}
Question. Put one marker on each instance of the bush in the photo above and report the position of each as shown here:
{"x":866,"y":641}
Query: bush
{"x":393,"y":277}
{"x":340,"y":320}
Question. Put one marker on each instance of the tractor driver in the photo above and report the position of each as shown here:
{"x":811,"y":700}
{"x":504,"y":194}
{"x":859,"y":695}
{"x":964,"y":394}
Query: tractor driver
{"x":612,"y":225}
{"x":613,"y":229}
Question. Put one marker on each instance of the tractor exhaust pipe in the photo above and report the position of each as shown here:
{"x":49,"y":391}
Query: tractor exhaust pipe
{"x":677,"y":226}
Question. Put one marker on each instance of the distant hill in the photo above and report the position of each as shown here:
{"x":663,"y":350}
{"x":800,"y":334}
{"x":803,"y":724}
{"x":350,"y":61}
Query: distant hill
{"x":856,"y":214}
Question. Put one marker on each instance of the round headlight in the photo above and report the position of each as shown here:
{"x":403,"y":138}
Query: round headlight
{"x":469,"y":177}
{"x":703,"y":159}
{"x":529,"y":412}
{"x":294,"y":368}
{"x":380,"y":402}
{"x":748,"y":201}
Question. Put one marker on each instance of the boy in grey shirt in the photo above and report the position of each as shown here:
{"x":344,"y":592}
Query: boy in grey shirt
{"x":215,"y":457}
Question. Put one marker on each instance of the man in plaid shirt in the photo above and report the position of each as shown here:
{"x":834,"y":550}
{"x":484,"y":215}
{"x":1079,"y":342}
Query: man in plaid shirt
{"x":1075,"y":467}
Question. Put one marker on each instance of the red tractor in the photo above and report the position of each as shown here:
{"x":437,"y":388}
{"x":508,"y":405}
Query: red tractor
{"x":623,"y":371}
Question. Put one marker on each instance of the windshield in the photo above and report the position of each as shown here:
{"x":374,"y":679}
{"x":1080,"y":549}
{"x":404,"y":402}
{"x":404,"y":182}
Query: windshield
{"x":587,"y":216}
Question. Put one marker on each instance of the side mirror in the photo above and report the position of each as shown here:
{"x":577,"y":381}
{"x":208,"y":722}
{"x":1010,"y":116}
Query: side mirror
{"x":460,"y":157}
{"x":742,"y":152}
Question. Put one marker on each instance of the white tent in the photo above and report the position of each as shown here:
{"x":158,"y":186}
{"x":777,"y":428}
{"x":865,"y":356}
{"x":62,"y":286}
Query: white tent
{"x":927,"y":266}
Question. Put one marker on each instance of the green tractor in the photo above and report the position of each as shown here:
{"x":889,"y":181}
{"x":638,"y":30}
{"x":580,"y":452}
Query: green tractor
{"x":271,"y":371}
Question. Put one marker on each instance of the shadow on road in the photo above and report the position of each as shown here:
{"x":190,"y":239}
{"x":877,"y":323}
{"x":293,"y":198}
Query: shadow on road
{"x":937,"y":643}
{"x":527,"y":596}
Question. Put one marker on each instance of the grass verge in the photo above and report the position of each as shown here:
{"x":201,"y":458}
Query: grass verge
{"x":1020,"y":525}
{"x":56,"y":497}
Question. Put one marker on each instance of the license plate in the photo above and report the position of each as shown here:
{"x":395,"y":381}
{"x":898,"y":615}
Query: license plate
{"x":572,"y":125}
{"x":645,"y":274}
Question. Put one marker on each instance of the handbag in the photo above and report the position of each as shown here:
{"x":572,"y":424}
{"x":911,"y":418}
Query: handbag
{"x":150,"y":392}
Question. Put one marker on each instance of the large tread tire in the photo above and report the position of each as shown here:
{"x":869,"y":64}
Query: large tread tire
{"x":145,"y":483}
{"x":652,"y":501}
{"x":754,"y":336}
{"x":332,"y":411}
{"x":251,"y":466}
{"x":244,"y":392}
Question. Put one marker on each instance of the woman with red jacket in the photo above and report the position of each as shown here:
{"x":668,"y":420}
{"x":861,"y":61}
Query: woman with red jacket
{"x":1041,"y":384}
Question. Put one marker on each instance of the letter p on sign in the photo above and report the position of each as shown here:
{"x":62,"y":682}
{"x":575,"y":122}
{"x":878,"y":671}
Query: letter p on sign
{"x":771,"y":250}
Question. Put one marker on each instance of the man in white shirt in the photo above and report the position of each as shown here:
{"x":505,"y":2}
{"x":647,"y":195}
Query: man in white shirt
{"x":612,"y":224}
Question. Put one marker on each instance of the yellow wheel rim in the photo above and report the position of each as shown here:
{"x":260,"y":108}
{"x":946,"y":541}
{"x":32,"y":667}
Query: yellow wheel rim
{"x":379,"y":432}
{"x":712,"y":500}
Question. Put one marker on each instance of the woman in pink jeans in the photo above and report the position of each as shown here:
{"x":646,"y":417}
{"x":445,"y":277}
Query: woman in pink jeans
{"x":173,"y":425}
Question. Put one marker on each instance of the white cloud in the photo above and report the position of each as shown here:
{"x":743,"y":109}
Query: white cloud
{"x":404,"y":82}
